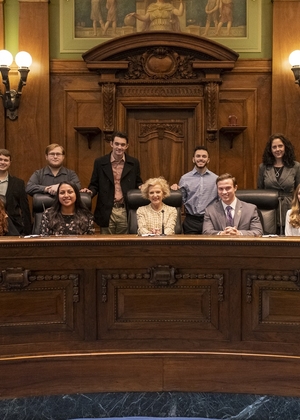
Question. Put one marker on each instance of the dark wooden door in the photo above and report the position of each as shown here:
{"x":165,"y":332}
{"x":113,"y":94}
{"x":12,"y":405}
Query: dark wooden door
{"x":163,"y":140}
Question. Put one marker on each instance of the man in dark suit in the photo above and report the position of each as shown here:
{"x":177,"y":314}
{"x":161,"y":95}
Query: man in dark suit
{"x":229,"y":216}
{"x":13,"y":189}
{"x":113,"y":176}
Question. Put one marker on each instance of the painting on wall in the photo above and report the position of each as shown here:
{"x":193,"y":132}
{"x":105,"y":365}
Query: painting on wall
{"x":234,"y":23}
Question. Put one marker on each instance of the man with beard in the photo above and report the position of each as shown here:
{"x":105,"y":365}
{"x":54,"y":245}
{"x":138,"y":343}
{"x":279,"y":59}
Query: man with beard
{"x":47,"y":179}
{"x":198,"y":188}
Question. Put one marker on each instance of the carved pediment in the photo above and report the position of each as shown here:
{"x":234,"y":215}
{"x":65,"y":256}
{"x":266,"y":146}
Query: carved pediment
{"x":160,"y":59}
{"x":159,"y":56}
{"x":118,"y":49}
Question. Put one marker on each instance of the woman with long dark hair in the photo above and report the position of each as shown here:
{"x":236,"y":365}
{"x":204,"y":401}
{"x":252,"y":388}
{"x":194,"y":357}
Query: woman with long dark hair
{"x":279,"y":171}
{"x":68,"y":214}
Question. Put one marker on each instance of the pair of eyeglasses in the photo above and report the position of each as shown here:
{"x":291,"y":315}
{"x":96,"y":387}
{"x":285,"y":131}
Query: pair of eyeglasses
{"x":55,"y":154}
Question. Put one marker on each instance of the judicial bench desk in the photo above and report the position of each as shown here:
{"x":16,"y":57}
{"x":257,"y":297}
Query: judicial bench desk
{"x":127,"y":313}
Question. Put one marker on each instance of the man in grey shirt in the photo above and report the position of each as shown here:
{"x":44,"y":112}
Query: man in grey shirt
{"x":198,"y":188}
{"x":47,"y":179}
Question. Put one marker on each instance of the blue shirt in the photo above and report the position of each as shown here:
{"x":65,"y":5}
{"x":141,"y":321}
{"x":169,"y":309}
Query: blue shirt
{"x":198,"y":190}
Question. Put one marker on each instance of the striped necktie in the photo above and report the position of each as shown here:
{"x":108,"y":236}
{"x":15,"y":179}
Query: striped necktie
{"x":229,"y":219}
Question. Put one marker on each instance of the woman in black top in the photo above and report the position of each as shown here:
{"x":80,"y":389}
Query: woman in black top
{"x":68,"y":215}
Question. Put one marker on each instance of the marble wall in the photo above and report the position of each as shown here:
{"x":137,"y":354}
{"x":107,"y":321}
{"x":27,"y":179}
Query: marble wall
{"x":160,"y":404}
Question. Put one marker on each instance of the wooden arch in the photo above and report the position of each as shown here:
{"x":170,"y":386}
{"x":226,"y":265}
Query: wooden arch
{"x":161,"y":59}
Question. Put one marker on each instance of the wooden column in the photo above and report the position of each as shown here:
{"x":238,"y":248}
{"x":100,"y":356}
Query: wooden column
{"x":285,"y":93}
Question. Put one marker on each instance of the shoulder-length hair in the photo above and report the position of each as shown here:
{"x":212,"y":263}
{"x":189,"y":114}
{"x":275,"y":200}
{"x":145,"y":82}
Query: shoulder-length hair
{"x":81,"y":212}
{"x":295,"y":209}
{"x":151,"y":182}
{"x":288,"y":158}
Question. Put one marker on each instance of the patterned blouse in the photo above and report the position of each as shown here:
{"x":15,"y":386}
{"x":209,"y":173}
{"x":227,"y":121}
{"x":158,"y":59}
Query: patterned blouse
{"x":68,"y":225}
{"x":148,"y":219}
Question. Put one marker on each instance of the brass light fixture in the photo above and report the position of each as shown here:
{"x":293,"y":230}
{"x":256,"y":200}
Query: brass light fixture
{"x":11,"y":97}
{"x":294,"y":60}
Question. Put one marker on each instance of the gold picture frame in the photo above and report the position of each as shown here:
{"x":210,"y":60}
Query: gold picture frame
{"x":74,"y":40}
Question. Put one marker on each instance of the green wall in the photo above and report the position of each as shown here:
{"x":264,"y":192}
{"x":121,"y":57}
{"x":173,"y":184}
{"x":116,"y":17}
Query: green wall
{"x":11,"y":34}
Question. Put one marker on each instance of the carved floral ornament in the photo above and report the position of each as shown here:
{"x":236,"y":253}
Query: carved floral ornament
{"x":160,"y":63}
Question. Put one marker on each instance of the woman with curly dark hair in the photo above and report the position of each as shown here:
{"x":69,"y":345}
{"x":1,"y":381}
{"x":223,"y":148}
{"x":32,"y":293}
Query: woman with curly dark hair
{"x":68,"y":214}
{"x":279,"y":171}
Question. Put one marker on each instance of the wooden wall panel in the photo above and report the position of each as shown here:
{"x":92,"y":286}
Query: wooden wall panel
{"x":285,"y":93}
{"x":245,"y":92}
{"x":82,"y":108}
{"x":2,"y":115}
{"x":238,"y":156}
{"x":76,"y":101}
{"x":28,"y":136}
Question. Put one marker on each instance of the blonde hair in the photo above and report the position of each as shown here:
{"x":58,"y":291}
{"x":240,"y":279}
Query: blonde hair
{"x":151,"y":182}
{"x":295,"y":210}
{"x":52,"y":146}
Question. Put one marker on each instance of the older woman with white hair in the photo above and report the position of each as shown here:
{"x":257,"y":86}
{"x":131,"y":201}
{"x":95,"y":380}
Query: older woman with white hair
{"x":156,"y":218}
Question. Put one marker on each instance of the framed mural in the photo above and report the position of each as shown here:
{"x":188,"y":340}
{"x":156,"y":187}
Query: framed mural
{"x":87,"y":23}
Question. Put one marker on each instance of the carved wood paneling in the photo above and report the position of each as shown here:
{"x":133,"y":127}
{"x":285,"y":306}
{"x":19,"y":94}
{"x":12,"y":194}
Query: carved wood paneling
{"x":2,"y":113}
{"x":285,"y":107}
{"x":240,"y":159}
{"x":187,"y":306}
{"x":38,"y":304}
{"x":245,"y":92}
{"x":271,"y":309}
{"x":162,"y":303}
{"x":82,"y":108}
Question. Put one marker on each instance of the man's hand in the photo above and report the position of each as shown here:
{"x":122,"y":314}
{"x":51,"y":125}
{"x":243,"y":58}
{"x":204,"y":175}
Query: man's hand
{"x":175,"y":187}
{"x":52,"y":189}
{"x":230,"y":231}
{"x":86,"y":190}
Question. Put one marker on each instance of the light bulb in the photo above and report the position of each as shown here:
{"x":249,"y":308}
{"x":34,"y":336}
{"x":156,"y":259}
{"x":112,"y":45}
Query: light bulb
{"x":23,"y":59}
{"x":294,"y":58}
{"x":6,"y":58}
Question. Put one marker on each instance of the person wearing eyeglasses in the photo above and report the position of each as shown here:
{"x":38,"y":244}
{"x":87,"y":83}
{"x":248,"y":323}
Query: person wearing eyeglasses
{"x":47,"y":179}
{"x":113,"y":176}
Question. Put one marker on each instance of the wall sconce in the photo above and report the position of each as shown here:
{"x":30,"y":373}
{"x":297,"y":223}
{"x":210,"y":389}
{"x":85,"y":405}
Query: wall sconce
{"x":294,"y":60}
{"x":11,"y":97}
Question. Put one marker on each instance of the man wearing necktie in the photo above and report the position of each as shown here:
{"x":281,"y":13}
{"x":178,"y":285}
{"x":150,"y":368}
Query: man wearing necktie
{"x":230,"y":216}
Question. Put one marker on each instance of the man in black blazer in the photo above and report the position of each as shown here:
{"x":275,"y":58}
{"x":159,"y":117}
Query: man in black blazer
{"x":229,"y":216}
{"x":13,"y":189}
{"x":113,"y":176}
